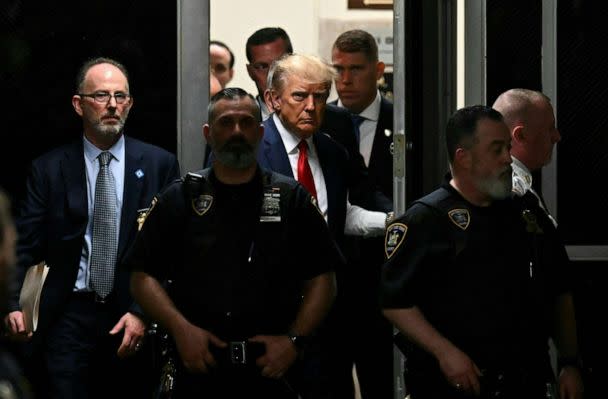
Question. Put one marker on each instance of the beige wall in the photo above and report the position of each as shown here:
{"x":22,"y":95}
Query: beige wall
{"x":232,"y":21}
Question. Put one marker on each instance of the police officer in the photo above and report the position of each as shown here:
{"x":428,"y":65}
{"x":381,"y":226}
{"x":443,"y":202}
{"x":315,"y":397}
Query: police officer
{"x":249,"y":259}
{"x":530,"y":118}
{"x":467,"y":281}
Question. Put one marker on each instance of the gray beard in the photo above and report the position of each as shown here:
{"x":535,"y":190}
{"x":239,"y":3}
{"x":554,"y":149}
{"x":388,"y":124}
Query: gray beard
{"x":496,"y":188}
{"x":109,"y":130}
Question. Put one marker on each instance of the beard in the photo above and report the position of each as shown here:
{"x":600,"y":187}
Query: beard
{"x":112,"y":130}
{"x":497,"y":187}
{"x":236,"y":153}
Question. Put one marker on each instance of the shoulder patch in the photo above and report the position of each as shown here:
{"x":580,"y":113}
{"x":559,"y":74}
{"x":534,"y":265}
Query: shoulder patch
{"x":395,"y":234}
{"x":202,"y":204}
{"x":460,"y":217}
{"x":142,"y":214}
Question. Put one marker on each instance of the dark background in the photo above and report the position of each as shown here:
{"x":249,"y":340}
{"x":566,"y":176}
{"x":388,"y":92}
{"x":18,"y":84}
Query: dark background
{"x":43,"y":45}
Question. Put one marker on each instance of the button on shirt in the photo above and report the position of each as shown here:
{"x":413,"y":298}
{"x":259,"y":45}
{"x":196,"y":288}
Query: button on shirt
{"x":291,"y":141}
{"x":117,"y":168}
{"x":368,"y":127}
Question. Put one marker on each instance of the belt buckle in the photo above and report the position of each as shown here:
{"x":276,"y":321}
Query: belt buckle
{"x":238,"y":352}
{"x":99,"y":299}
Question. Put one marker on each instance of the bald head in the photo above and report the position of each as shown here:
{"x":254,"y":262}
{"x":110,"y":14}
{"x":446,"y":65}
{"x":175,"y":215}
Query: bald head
{"x":531,"y":121}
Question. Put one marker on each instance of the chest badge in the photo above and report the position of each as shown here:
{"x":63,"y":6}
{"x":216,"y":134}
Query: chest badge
{"x":271,"y":205}
{"x":395,"y":234}
{"x":142,"y":214}
{"x":532,"y":225}
{"x":202,"y":204}
{"x":460,"y":217}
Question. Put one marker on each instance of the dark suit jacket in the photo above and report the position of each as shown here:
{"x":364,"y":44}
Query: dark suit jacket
{"x":54,"y":217}
{"x":380,"y":168}
{"x":335,"y":163}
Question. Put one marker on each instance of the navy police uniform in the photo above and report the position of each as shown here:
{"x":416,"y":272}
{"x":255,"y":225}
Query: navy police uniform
{"x":485,"y":278}
{"x":236,"y":257}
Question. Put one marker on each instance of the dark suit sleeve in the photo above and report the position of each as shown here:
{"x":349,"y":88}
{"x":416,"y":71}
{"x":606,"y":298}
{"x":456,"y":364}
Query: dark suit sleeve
{"x":362,"y":190}
{"x":32,"y":227}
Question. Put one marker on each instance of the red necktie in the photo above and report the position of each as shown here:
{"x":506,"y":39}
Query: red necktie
{"x":304,"y":172}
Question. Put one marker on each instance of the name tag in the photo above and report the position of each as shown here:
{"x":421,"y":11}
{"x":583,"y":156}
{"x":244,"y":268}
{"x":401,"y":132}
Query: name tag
{"x":271,"y":205}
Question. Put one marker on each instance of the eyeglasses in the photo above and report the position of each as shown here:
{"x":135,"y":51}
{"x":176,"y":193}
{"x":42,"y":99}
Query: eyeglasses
{"x":103,"y":97}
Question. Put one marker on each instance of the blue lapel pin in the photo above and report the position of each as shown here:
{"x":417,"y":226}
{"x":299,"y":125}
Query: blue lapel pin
{"x":139,"y":173}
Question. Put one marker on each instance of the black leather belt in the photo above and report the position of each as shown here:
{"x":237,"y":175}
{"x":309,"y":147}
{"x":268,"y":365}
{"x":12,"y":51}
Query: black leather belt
{"x":89,"y":296}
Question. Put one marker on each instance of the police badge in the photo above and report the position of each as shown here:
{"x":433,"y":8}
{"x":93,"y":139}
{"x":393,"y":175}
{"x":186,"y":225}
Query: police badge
{"x":202,"y":203}
{"x":142,"y":214}
{"x":271,"y":205}
{"x":532,"y":225}
{"x":395,"y":234}
{"x":460,"y":217}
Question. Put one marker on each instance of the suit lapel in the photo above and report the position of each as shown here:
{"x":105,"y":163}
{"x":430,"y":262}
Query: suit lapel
{"x":131,"y":193}
{"x":274,"y":150}
{"x":74,"y":178}
{"x":381,"y":145}
{"x":326,"y":160}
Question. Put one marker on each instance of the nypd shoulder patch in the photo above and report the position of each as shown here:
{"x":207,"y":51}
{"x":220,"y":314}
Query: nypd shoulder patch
{"x":395,"y":234}
{"x":460,"y":217}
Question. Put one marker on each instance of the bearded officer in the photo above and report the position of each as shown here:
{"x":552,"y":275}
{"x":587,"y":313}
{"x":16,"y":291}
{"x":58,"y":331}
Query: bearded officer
{"x":245,"y":293}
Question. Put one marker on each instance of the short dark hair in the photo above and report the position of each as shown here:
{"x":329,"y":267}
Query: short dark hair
{"x":358,"y":41}
{"x":82,"y":72}
{"x":221,"y":44}
{"x":462,"y":126}
{"x":232,"y":93}
{"x":267,"y":35}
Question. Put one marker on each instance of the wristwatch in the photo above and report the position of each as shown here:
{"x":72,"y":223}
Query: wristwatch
{"x":299,"y":341}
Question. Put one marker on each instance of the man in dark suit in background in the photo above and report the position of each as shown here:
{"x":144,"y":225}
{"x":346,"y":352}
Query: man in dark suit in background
{"x":80,"y":216}
{"x":355,"y":57}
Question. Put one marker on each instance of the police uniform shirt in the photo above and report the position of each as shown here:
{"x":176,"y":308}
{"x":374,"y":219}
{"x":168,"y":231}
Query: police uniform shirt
{"x":468,"y":270}
{"x":224,"y":263}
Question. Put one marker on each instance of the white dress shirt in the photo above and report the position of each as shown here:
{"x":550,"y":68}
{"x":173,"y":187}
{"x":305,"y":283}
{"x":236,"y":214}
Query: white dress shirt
{"x":291,"y":141}
{"x":368,"y":127}
{"x":522,"y":182}
{"x":359,"y":221}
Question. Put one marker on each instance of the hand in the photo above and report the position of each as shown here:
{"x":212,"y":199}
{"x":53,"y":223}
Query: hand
{"x":193,"y":346}
{"x":280,"y":355}
{"x":15,"y":326}
{"x":570,"y":383}
{"x":135,"y":329}
{"x":460,"y":371}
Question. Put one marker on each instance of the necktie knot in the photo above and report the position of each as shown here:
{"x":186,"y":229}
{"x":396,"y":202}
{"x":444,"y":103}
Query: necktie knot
{"x":303,"y":147}
{"x":104,"y":158}
{"x":357,"y":119}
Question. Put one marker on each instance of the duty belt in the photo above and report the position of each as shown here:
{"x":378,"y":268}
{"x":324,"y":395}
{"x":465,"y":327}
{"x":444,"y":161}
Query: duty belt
{"x":238,"y":353}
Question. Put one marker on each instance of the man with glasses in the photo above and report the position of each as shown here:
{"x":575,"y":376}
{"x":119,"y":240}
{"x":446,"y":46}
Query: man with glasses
{"x":80,"y":215}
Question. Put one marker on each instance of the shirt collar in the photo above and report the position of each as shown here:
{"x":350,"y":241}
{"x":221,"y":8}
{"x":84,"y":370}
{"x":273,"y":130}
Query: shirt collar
{"x":522,"y":177}
{"x":372,"y":112}
{"x":290,"y":140}
{"x":91,"y":152}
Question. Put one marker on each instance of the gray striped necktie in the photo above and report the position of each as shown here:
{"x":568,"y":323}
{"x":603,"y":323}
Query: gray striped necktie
{"x":104,"y":242}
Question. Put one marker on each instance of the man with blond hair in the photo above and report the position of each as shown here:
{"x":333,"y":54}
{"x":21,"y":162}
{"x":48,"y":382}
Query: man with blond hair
{"x":295,"y":145}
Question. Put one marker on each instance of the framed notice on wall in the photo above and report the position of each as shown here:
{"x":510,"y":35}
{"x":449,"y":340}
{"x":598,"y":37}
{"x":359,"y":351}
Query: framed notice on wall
{"x":371,"y":4}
